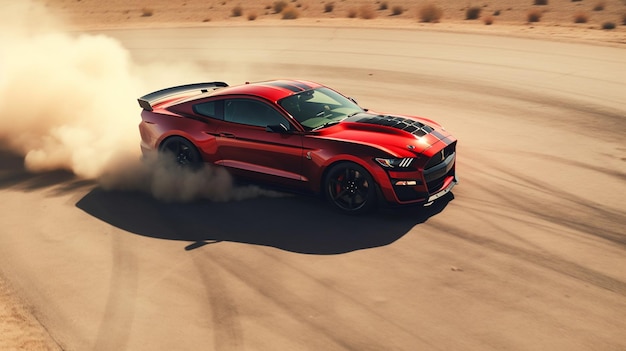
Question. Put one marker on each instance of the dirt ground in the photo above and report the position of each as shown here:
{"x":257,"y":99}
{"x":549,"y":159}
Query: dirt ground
{"x":20,"y":330}
{"x":507,"y":17}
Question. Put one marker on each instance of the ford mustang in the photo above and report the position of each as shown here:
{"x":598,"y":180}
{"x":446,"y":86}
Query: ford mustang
{"x":305,"y":137}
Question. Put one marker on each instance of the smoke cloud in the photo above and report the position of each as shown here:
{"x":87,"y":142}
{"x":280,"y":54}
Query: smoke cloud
{"x":68,"y":101}
{"x":166,"y":180}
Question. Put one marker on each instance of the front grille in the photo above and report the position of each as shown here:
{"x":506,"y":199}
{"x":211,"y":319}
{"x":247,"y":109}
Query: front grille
{"x":405,"y":193}
{"x":408,"y":125}
{"x":440,"y":156}
{"x":435,"y":184}
{"x":439,"y":167}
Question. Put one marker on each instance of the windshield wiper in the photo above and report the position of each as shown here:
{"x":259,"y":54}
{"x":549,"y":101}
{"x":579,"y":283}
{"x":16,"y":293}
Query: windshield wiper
{"x":327,"y":124}
{"x":330,"y":123}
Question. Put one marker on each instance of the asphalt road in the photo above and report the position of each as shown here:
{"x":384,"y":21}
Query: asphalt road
{"x":528,"y":253}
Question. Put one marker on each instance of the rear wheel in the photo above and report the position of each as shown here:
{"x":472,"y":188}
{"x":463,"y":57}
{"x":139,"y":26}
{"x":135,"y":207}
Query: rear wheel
{"x":182,"y":151}
{"x":350,"y":188}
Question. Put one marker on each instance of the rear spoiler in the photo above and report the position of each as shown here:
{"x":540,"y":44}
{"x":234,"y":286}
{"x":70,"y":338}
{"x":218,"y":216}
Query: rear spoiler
{"x":148,"y":100}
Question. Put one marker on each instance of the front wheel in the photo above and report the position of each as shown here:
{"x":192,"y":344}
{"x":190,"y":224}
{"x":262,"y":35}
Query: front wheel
{"x":350,"y":188}
{"x":182,"y":151}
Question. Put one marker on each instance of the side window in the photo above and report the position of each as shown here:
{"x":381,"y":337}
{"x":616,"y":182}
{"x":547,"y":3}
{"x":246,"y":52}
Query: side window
{"x":252,"y":112}
{"x":206,"y":109}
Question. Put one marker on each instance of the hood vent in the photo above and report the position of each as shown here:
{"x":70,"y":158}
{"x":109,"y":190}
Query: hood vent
{"x":408,"y":125}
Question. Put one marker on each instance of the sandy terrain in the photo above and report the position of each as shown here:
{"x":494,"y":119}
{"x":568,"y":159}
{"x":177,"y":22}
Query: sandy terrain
{"x":510,"y":17}
{"x":522,"y":257}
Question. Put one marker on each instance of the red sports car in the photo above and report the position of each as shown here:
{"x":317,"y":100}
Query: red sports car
{"x":302,"y":136}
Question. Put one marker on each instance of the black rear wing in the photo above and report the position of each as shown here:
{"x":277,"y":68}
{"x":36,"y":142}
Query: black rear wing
{"x":147,"y":101}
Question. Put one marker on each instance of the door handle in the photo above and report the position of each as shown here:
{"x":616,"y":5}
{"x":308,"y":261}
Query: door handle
{"x":226,"y":135}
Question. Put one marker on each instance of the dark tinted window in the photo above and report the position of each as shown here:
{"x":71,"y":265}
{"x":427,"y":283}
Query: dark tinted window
{"x":206,"y":109}
{"x":252,"y":112}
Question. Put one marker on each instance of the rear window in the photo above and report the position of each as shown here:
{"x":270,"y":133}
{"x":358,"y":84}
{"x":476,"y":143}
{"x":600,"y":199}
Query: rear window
{"x":206,"y":109}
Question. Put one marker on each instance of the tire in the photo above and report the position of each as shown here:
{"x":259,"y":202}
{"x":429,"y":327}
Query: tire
{"x":182,"y":152}
{"x":350,"y":188}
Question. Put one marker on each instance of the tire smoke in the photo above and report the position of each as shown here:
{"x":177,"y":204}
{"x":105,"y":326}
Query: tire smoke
{"x":167,"y":181}
{"x":68,"y":101}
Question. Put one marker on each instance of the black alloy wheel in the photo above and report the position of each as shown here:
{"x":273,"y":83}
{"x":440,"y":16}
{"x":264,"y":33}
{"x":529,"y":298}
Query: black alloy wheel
{"x":183,"y":152}
{"x":350,"y":188}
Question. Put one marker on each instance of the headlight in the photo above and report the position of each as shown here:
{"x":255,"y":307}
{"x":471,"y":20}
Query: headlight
{"x":394,"y":162}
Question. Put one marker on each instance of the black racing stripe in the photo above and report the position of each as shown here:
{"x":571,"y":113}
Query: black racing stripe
{"x":284,"y":85}
{"x":304,"y":86}
{"x":438,"y":135}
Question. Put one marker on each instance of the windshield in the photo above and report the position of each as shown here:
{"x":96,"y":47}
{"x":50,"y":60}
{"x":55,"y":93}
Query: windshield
{"x":319,"y":107}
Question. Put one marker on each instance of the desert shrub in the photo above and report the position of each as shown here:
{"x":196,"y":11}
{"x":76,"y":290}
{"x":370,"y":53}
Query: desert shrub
{"x":397,"y":10}
{"x":576,"y":0}
{"x":599,"y":6}
{"x":237,"y":11}
{"x":252,"y":16}
{"x":430,"y":13}
{"x":383,"y":6}
{"x":279,"y":6}
{"x":541,"y":2}
{"x":496,"y":13}
{"x":473,"y":13}
{"x":608,"y":25}
{"x":488,"y":20}
{"x":534,"y":15}
{"x":290,"y":13}
{"x":366,"y":12}
{"x":624,"y":18}
{"x":146,"y":12}
{"x":581,"y":17}
{"x":329,"y":7}
{"x":352,"y":13}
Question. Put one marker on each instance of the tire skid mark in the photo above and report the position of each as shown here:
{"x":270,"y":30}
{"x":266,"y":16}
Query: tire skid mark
{"x":227,"y":330}
{"x":115,"y":327}
{"x":349,"y":337}
{"x":560,"y":208}
{"x":544,"y":260}
{"x":565,"y":209}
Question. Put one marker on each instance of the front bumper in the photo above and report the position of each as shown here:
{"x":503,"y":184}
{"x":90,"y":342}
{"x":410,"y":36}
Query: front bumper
{"x":442,"y":192}
{"x":422,"y":186}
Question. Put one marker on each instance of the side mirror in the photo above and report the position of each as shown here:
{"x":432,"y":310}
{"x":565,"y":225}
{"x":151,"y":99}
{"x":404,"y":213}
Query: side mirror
{"x":277,"y":128}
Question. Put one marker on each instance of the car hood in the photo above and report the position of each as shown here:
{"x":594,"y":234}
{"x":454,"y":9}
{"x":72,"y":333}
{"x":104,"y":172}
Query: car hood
{"x":399,"y":135}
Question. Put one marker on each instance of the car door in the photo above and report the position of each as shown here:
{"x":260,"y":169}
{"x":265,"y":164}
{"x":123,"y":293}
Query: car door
{"x":247,"y":148}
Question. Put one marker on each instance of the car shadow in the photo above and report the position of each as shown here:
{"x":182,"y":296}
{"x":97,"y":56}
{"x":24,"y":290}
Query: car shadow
{"x":295,"y":223}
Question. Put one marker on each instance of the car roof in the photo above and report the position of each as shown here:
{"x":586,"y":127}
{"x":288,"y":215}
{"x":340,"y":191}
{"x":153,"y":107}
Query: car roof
{"x":272,"y":90}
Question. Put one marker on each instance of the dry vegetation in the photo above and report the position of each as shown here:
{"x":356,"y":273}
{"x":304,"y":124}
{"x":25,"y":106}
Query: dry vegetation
{"x":146,"y":12}
{"x":534,"y":15}
{"x":237,"y":11}
{"x":508,"y":12}
{"x":430,"y":13}
{"x":397,"y":10}
{"x":289,"y":13}
{"x":581,"y":17}
{"x":367,"y":12}
{"x":473,"y":13}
